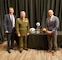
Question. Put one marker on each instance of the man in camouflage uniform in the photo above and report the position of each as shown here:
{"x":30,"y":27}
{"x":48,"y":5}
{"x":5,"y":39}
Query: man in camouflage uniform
{"x":22,"y":29}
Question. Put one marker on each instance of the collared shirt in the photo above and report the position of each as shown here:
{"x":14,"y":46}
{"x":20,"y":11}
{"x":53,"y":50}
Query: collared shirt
{"x":12,"y":20}
{"x":51,"y":17}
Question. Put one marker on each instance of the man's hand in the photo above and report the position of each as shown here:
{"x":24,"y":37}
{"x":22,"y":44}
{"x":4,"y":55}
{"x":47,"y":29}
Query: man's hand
{"x":19,"y":35}
{"x":49,"y":32}
{"x":6,"y":32}
{"x":27,"y":33}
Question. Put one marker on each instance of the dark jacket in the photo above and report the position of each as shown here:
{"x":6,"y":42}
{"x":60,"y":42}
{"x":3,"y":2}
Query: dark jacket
{"x":8,"y":23}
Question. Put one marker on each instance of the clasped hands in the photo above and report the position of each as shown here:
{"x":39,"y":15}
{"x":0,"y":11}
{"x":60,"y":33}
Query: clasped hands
{"x":49,"y":32}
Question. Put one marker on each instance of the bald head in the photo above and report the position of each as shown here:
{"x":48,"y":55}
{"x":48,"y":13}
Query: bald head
{"x":22,"y":14}
{"x":50,"y":12}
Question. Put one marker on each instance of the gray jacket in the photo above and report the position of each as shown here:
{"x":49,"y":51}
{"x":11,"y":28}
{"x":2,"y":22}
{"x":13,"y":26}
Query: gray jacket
{"x":53,"y":25}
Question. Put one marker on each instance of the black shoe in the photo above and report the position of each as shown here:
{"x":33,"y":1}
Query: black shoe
{"x":8,"y":51}
{"x":13,"y":48}
{"x":20,"y":51}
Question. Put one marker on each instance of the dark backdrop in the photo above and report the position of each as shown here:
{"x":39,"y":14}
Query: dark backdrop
{"x":36,"y":10}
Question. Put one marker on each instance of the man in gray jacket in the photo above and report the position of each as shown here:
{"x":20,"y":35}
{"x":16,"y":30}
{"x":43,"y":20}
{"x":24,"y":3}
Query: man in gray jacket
{"x":52,"y":24}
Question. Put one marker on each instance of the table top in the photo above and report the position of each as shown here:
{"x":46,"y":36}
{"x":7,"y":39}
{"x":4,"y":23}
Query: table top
{"x":42,"y":33}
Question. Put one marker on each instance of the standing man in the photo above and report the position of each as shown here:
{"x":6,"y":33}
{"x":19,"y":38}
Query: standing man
{"x":52,"y":24}
{"x":9,"y":26}
{"x":22,"y":29}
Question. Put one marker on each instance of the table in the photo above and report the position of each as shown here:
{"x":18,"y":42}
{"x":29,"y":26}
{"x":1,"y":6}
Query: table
{"x":39,"y":41}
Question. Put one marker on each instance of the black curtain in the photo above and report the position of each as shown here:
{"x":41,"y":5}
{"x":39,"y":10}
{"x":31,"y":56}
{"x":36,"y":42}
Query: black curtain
{"x":36,"y":10}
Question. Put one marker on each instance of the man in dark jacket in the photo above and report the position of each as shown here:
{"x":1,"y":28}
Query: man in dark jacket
{"x":9,"y":26}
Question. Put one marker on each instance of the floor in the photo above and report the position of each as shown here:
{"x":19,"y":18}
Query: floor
{"x":31,"y":54}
